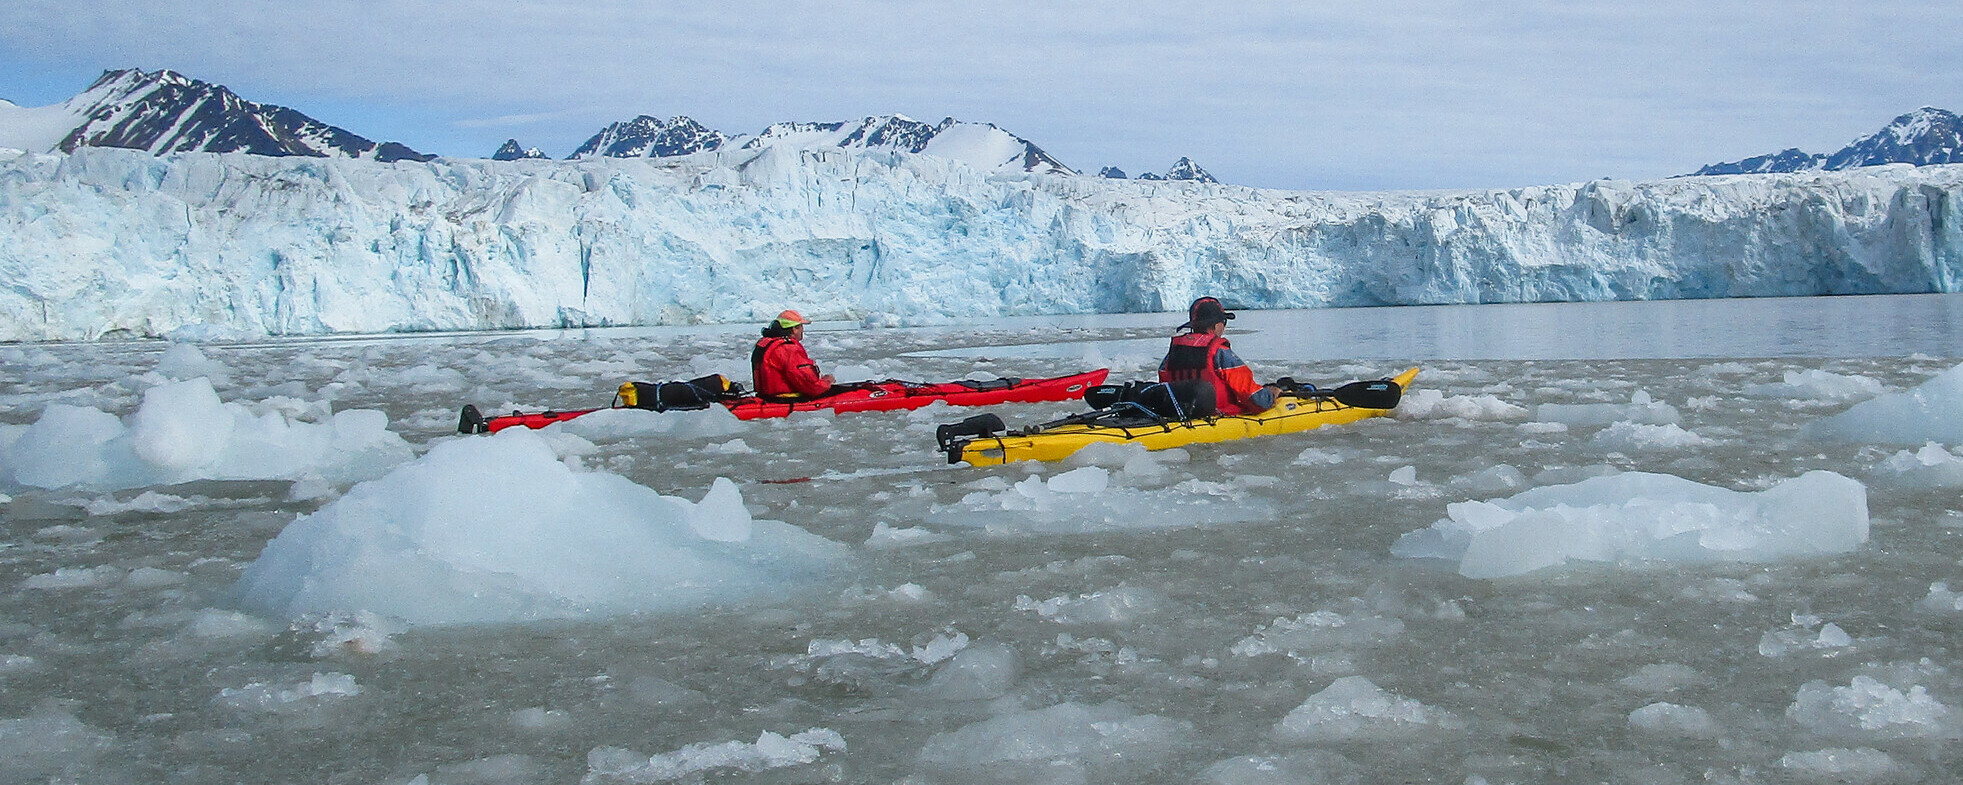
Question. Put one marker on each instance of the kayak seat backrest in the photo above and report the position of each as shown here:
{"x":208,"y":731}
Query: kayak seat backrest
{"x":991,"y":384}
{"x":1168,"y":401}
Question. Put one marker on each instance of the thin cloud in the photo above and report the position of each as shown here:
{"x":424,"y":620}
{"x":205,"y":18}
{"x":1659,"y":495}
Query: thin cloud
{"x":1345,"y":94}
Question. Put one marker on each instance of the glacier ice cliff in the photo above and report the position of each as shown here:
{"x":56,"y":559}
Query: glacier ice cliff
{"x":110,"y":243}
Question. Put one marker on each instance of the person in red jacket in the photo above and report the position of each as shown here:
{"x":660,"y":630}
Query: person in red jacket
{"x":779,"y":365}
{"x":1204,"y":356}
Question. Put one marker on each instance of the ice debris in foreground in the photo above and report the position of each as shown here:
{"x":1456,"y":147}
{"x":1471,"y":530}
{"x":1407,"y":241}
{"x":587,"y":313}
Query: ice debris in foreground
{"x":183,"y":432}
{"x":771,"y":751}
{"x":1924,"y":414}
{"x":1639,"y":515}
{"x":498,"y":529}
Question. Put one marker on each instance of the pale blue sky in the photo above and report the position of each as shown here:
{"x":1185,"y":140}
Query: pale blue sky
{"x":1308,"y":95}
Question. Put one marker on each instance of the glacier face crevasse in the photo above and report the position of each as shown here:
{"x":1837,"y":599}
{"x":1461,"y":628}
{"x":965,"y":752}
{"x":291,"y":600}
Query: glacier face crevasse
{"x":110,"y":242}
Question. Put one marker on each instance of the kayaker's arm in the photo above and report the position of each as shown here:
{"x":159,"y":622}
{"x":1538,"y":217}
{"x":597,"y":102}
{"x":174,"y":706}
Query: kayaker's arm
{"x":1240,"y":381}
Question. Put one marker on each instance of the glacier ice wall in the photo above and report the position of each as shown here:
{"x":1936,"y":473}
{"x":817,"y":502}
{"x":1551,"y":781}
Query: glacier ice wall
{"x":106,"y":243}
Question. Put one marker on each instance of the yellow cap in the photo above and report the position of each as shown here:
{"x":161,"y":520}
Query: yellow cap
{"x":789,"y":319}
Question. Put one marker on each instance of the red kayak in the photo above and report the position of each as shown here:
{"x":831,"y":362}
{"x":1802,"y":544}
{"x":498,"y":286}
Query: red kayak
{"x":883,"y":396}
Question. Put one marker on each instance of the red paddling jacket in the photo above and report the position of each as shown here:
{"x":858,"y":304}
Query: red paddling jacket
{"x":781,"y":369}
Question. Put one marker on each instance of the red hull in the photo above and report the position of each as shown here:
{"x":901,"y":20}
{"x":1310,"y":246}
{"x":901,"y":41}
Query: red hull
{"x":886,"y":396}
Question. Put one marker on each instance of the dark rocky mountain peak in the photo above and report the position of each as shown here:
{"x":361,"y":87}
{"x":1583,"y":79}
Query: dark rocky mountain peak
{"x":510,"y":151}
{"x":167,"y":112}
{"x":651,"y":137}
{"x":1182,"y":169}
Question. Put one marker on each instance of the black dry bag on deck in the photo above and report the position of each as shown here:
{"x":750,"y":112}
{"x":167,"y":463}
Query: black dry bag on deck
{"x":664,"y":396}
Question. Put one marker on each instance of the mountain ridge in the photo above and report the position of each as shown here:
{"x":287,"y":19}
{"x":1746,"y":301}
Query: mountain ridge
{"x":163,"y":112}
{"x":1924,"y":137}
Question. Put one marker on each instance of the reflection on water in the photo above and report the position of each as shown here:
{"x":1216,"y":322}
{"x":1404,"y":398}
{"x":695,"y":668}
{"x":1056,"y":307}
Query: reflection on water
{"x":1866,"y":326}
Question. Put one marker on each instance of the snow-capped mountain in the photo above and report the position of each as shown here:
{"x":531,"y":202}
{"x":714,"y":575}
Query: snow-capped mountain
{"x":651,"y":137}
{"x":105,"y":242}
{"x":981,"y":145}
{"x":1182,"y":169}
{"x":1922,"y":137}
{"x":510,"y":151}
{"x":165,"y":112}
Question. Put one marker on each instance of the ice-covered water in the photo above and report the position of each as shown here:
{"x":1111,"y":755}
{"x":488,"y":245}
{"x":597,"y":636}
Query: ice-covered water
{"x":1220,"y":613}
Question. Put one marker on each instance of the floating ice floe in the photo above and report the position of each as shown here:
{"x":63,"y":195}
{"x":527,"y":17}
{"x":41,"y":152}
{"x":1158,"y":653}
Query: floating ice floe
{"x":1306,"y":767}
{"x":498,"y":528}
{"x":770,"y":751}
{"x":1640,"y":410}
{"x":1670,"y":719}
{"x":1941,"y":600}
{"x":1817,"y":385}
{"x":306,"y":696}
{"x":183,"y":432}
{"x":1869,"y":709}
{"x":1353,"y":708}
{"x":1638,"y":516}
{"x":51,"y":741}
{"x":979,"y":672}
{"x":1092,"y":498}
{"x":1807,"y":634}
{"x":1924,"y":414}
{"x":1842,"y":765}
{"x":1930,"y":467}
{"x":617,"y":424}
{"x":1062,"y":743}
{"x":1636,"y":437}
{"x":1117,"y":605}
{"x":1429,"y":404}
{"x":1322,"y":631}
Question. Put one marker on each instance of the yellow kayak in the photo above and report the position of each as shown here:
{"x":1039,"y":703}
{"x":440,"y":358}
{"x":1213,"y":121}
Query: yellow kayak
{"x":1292,"y":413}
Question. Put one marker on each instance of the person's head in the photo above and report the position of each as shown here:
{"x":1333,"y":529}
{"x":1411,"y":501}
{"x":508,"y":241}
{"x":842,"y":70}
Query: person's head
{"x":787,"y":324}
{"x":1206,"y":314}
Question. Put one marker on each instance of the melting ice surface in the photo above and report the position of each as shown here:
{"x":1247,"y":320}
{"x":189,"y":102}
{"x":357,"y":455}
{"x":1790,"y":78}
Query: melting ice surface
{"x":1728,"y":559}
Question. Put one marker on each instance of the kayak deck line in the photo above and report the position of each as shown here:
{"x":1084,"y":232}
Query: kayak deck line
{"x":886,"y":395}
{"x":1292,"y":413}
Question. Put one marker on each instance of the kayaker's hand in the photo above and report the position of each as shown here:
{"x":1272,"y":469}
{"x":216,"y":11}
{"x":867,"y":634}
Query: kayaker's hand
{"x":828,"y":379}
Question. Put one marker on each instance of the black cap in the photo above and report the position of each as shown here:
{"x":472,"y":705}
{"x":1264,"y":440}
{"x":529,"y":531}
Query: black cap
{"x":1205,"y":312}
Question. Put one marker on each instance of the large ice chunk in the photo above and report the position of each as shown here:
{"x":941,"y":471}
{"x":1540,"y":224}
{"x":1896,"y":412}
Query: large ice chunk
{"x":1638,"y":515}
{"x":1870,"y":709}
{"x":499,"y":529}
{"x":183,"y":432}
{"x":1911,"y":417}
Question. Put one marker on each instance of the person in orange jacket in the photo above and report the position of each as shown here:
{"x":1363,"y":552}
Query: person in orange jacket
{"x":1204,"y":356}
{"x":779,"y":366}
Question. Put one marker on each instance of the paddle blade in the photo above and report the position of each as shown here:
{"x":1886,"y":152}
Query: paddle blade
{"x":1379,"y":394}
{"x":978,"y":425}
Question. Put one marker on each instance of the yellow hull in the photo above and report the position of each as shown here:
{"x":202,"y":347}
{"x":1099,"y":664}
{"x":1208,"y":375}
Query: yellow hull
{"x":1290,"y":415}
